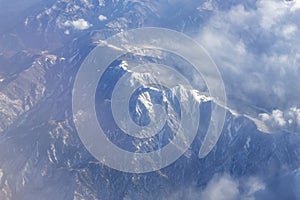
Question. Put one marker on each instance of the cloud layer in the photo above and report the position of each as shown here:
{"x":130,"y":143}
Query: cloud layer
{"x":257,"y":51}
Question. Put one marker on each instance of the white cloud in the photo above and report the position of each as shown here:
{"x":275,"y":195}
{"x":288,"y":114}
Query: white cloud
{"x":252,"y":186}
{"x":288,"y":120}
{"x":270,"y":12}
{"x":206,"y":6}
{"x":295,"y":5}
{"x":79,"y":24}
{"x":102,"y":18}
{"x":257,"y":51}
{"x":289,"y":30}
{"x":222,"y":187}
{"x":101,"y":3}
{"x":67,"y":32}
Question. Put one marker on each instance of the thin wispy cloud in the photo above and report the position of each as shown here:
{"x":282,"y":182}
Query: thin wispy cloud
{"x":222,"y":187}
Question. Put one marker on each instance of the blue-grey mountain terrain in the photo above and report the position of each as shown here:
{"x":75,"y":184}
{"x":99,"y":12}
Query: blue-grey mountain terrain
{"x":255,"y":45}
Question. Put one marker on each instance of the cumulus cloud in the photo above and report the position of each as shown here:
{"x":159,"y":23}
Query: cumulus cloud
{"x":288,"y":119}
{"x":257,"y":51}
{"x":79,"y":24}
{"x":275,"y":118}
{"x":102,"y":17}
